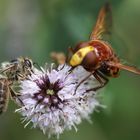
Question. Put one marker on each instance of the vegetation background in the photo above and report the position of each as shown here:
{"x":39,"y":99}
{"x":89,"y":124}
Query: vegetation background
{"x":34,"y":28}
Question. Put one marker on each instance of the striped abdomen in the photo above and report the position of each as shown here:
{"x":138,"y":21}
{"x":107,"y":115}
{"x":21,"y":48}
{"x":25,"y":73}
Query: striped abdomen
{"x":4,"y":95}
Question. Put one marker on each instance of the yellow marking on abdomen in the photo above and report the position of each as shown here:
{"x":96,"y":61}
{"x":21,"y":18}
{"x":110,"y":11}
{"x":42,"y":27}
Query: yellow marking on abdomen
{"x":78,"y":57}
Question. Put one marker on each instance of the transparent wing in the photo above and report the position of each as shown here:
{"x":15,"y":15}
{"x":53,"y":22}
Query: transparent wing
{"x":103,"y":24}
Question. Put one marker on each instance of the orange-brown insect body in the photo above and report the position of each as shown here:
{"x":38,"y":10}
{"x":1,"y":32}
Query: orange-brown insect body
{"x":96,"y":55}
{"x":96,"y":59}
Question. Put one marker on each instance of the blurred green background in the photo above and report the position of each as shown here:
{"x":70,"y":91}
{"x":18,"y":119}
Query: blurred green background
{"x":34,"y":28}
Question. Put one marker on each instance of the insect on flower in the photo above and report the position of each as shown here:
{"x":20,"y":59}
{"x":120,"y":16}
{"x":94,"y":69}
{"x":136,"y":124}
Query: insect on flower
{"x":96,"y":55}
{"x":17,"y":69}
{"x":49,"y":102}
{"x":11,"y":73}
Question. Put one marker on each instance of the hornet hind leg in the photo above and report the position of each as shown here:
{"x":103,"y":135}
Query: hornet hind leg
{"x":101,"y":78}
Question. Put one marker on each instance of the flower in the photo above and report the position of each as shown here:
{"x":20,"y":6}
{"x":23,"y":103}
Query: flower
{"x":48,"y":99}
